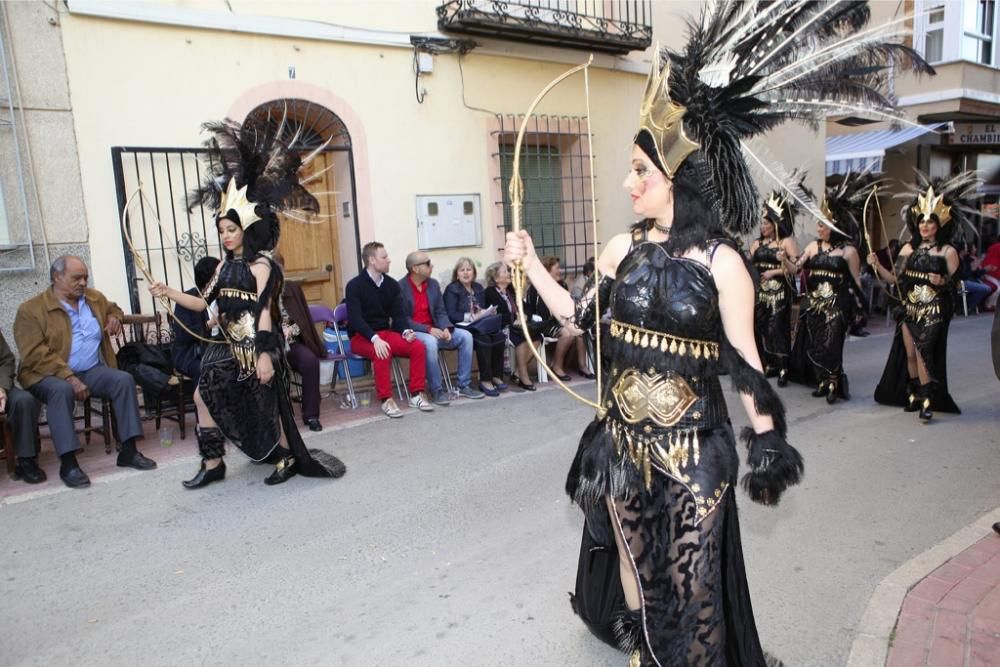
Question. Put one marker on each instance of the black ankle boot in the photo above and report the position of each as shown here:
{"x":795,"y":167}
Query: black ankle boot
{"x":206,"y":476}
{"x":820,"y":390}
{"x":831,"y":394}
{"x":924,"y":396}
{"x":912,"y":389}
{"x":783,"y":377}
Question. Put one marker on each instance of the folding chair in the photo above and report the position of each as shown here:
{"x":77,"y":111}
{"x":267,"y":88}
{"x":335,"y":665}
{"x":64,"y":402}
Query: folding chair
{"x":334,"y":318}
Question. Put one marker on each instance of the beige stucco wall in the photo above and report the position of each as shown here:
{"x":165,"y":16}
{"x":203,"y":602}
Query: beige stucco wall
{"x":136,"y":83}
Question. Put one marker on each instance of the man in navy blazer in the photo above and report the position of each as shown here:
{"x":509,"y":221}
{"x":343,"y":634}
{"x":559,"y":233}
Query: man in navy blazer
{"x":429,"y":320}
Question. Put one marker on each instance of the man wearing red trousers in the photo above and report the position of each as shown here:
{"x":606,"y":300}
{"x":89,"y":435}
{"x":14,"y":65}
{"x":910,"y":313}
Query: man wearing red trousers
{"x":377,"y":322}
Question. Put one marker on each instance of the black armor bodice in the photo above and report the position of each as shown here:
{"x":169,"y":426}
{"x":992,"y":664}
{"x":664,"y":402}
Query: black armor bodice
{"x":235,"y":293}
{"x":824,"y":267}
{"x":765,"y":258}
{"x":672,"y":295}
{"x":923,"y":301}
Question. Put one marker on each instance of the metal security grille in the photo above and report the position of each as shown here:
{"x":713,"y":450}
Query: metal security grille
{"x":169,"y":238}
{"x":555,"y":169}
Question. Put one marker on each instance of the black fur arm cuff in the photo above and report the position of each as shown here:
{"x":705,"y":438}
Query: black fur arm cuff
{"x":267,"y":341}
{"x":774,"y":466}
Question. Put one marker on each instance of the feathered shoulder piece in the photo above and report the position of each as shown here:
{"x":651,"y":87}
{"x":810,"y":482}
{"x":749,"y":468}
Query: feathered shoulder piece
{"x":846,"y":198}
{"x":749,"y":66}
{"x":951,"y":202}
{"x":253,"y":170}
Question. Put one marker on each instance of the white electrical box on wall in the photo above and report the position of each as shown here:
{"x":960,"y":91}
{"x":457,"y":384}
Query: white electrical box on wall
{"x":448,"y":221}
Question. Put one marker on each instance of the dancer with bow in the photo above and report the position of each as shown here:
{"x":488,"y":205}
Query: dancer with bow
{"x":936,"y":215}
{"x":242,"y":392}
{"x":660,"y":456}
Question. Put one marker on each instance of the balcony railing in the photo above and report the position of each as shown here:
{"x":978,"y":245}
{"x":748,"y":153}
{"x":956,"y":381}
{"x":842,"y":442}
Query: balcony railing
{"x":606,"y":26}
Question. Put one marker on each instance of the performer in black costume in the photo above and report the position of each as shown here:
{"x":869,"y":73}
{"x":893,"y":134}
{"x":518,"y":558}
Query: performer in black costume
{"x":773,"y":313}
{"x":660,"y":456}
{"x":833,"y":286}
{"x":242,"y":392}
{"x":916,"y":373}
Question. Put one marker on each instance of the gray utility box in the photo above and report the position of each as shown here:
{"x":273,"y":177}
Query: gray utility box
{"x":448,"y":221}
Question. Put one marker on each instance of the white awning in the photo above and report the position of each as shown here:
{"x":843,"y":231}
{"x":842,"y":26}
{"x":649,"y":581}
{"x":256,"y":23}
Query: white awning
{"x":871,"y":144}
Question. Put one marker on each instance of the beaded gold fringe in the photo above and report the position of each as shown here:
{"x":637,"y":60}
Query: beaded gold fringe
{"x":647,"y":338}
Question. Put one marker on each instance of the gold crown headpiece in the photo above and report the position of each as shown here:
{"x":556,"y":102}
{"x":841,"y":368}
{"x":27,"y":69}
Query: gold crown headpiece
{"x":234,"y":198}
{"x":776,"y":204}
{"x":928,"y":204}
{"x":664,"y":119}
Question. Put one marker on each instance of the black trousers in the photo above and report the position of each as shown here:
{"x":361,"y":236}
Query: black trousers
{"x":306,"y":363}
{"x":22,"y":419}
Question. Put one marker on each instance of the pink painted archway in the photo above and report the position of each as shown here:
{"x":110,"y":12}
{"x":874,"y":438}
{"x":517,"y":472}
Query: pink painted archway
{"x":276,"y":90}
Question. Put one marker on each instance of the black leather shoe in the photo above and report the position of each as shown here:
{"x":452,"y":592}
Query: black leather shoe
{"x":28,"y":471}
{"x":926,"y":414}
{"x":206,"y":476}
{"x":314,"y":424}
{"x":74,"y":478}
{"x":820,"y":390}
{"x":527,"y":386}
{"x":283,"y":472}
{"x":783,"y":378}
{"x":587,"y":374}
{"x":137,"y":461}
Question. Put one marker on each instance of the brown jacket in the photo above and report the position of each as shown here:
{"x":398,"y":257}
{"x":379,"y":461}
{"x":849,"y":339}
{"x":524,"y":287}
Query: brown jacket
{"x":43,"y":335}
{"x":6,"y":365}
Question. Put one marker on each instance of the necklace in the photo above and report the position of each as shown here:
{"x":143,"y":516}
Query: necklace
{"x":661,"y":228}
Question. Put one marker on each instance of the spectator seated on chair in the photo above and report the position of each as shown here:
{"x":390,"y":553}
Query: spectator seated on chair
{"x":971,"y":276}
{"x":465,"y":301}
{"x":63,"y":338}
{"x":550,"y":328}
{"x":186,"y":350}
{"x":305,"y":348}
{"x":378,"y":324}
{"x":500,"y":295}
{"x":21,"y":410}
{"x":429,"y":320}
{"x":990,"y":263}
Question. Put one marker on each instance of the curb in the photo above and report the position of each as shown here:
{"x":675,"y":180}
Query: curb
{"x":870,"y":647}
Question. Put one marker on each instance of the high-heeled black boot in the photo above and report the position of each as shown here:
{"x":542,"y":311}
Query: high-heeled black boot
{"x":820,"y":390}
{"x":912,"y":389}
{"x":211,"y":445}
{"x":924,"y":396}
{"x":831,"y":394}
{"x":783,"y":377}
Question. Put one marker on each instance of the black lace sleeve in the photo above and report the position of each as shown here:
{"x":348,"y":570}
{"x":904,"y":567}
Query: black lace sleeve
{"x":586,"y":315}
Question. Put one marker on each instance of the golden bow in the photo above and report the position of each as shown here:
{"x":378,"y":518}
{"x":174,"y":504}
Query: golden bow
{"x":144,"y":268}
{"x":885,"y":234}
{"x":516,"y":189}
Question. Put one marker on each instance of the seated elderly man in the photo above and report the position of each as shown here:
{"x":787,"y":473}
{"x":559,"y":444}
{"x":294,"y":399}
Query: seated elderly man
{"x":21,"y":410}
{"x":432,"y":327}
{"x":66,"y":356}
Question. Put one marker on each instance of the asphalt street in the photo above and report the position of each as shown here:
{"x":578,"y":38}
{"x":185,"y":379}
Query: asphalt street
{"x":450,"y":541}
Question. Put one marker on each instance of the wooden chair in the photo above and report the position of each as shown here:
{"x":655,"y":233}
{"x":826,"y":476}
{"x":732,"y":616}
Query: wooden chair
{"x":155,"y":331}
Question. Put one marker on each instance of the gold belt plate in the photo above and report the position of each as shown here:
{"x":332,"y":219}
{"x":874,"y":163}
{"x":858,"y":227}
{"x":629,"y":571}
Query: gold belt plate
{"x":922,"y":294}
{"x":660,"y":397}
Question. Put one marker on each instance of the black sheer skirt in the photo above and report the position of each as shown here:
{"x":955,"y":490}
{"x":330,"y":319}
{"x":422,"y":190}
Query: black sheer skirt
{"x":245,"y":410}
{"x":931,"y":342}
{"x":818,"y":352}
{"x":773,"y":324}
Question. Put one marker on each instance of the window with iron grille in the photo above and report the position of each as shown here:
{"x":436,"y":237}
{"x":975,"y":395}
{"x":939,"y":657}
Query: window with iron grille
{"x":555,"y":170}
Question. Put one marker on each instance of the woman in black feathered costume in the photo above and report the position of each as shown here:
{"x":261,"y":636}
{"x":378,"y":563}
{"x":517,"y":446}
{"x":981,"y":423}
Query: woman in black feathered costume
{"x":773,"y":312}
{"x":242,"y":392}
{"x":660,"y":457}
{"x":833,"y":283}
{"x":916,"y":373}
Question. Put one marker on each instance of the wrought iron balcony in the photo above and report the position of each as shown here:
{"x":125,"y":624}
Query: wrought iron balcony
{"x":606,"y":26}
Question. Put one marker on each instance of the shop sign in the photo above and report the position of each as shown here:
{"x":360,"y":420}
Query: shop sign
{"x":976,"y":133}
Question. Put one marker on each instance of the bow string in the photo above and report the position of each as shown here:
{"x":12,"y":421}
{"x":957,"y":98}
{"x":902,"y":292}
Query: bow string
{"x":516,"y":190}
